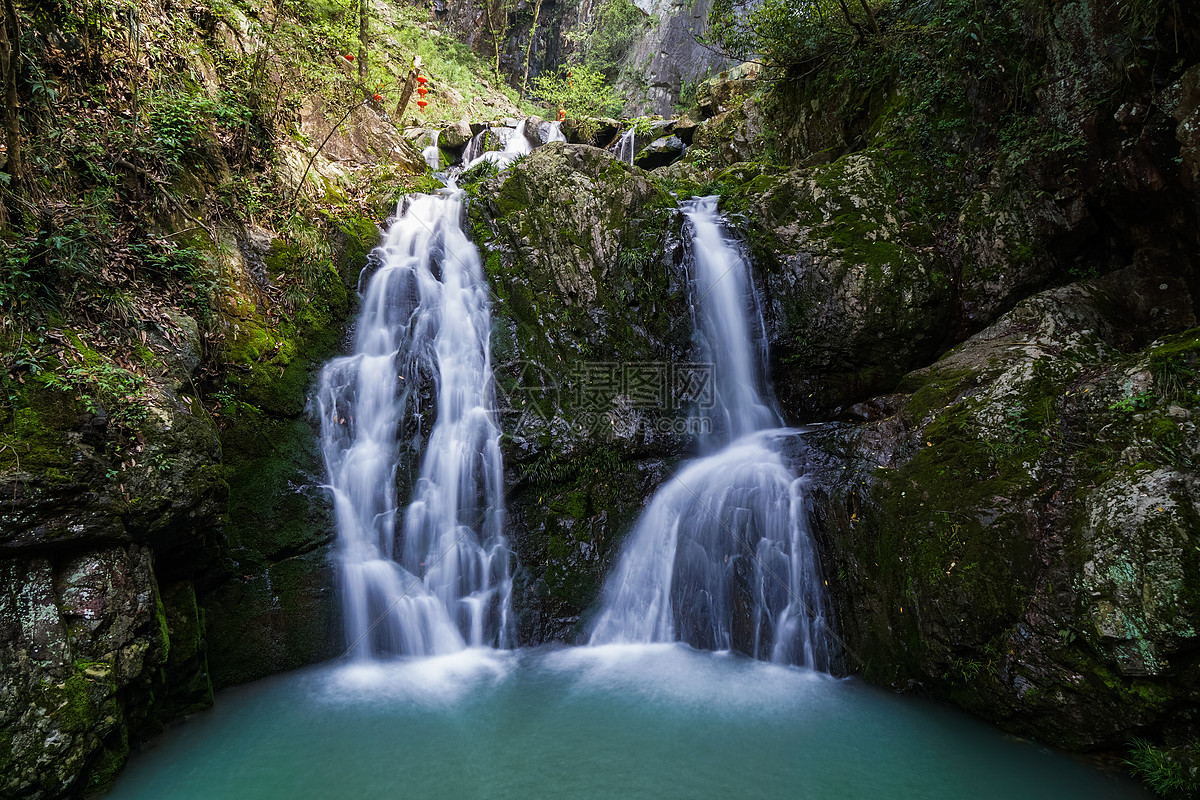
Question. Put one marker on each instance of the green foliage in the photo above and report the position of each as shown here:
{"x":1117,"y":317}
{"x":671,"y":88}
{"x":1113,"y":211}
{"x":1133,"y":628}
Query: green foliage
{"x":1134,"y":402}
{"x":579,"y":90}
{"x":780,"y":32}
{"x":1160,"y":769}
{"x":179,"y":121}
{"x":103,"y":387}
{"x":605,"y":40}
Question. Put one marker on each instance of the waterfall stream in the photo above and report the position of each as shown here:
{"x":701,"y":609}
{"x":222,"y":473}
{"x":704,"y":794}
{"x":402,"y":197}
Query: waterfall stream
{"x":723,"y":557}
{"x":441,"y":582}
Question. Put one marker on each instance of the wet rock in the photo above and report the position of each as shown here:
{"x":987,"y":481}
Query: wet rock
{"x":685,"y":128}
{"x":455,"y":136}
{"x":856,"y":292}
{"x":659,"y":153}
{"x":83,"y":642}
{"x":590,"y":324}
{"x":288,"y":610}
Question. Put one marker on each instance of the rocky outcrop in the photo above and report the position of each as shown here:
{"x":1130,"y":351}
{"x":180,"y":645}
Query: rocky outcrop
{"x":94,"y":512}
{"x":1018,"y":532}
{"x":590,"y":322}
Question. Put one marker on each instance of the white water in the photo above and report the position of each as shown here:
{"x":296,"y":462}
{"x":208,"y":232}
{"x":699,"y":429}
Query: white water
{"x":553,"y":132}
{"x":723,"y":556}
{"x":625,"y":146}
{"x":515,"y":146}
{"x":442,"y":581}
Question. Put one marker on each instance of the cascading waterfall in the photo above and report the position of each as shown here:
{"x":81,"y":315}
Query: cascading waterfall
{"x":552,"y":132}
{"x":723,"y":556}
{"x":444,"y":582}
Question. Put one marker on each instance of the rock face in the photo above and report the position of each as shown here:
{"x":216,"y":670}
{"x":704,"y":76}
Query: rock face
{"x":1020,"y":535}
{"x":590,"y":320}
{"x":669,"y":57}
{"x":88,"y":509}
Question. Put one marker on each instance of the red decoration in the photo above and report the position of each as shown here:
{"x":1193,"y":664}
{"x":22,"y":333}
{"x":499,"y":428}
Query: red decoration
{"x":349,"y":58}
{"x":422,"y":103}
{"x":421,"y":79}
{"x":562,"y":114}
{"x":421,"y":90}
{"x":378,"y":98}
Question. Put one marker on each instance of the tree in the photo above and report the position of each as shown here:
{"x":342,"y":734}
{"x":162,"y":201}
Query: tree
{"x":537,"y":11}
{"x":10,"y":64}
{"x":786,"y":32}
{"x":497,"y":16}
{"x":579,"y":90}
{"x":364,"y":24}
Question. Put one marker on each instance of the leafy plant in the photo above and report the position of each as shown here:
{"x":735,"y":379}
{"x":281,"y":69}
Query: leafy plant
{"x":1160,"y":770}
{"x":1134,"y":402}
{"x":579,"y":90}
{"x":103,"y":387}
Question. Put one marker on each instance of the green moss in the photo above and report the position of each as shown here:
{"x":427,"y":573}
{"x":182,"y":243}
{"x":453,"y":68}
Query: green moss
{"x":112,"y":759}
{"x":269,"y":519}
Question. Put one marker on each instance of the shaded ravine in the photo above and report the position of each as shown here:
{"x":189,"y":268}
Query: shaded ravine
{"x":723,"y":557}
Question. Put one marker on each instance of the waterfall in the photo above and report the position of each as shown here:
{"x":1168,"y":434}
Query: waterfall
{"x":723,"y":556}
{"x":441,"y":582}
{"x":626,"y":145}
{"x":553,"y":132}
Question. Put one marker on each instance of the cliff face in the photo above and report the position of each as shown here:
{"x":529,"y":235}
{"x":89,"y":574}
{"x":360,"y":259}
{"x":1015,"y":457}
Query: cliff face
{"x":653,"y":51}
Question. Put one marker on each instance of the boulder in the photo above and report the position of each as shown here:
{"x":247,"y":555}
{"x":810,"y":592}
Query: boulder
{"x":660,"y":153}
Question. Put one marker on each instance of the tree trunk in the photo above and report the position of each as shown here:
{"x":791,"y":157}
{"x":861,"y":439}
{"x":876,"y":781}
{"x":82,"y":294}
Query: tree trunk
{"x":870,"y":16}
{"x":405,"y":95}
{"x":10,"y":64}
{"x":846,"y":14}
{"x":364,"y":22}
{"x":537,"y":10}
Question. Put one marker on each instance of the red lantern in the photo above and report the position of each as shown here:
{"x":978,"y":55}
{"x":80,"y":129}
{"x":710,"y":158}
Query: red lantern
{"x":421,"y":90}
{"x":421,"y":79}
{"x":349,"y":58}
{"x":422,"y":103}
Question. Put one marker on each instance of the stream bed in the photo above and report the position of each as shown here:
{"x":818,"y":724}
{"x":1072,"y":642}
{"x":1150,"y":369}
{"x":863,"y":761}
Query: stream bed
{"x":615,"y":721}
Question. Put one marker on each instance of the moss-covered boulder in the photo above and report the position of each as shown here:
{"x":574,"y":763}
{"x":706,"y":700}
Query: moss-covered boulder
{"x":1020,"y":535}
{"x":858,"y":291}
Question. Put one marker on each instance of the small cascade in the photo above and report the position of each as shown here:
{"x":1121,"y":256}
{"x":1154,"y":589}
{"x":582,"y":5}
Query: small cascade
{"x":441,"y":582}
{"x":516,"y":144}
{"x":474,"y":148}
{"x":723,"y":556}
{"x":626,"y":146}
{"x":553,"y":132}
{"x":431,"y":153}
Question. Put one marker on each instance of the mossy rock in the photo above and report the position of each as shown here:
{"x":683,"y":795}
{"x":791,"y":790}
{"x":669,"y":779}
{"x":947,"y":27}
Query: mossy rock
{"x":284,"y":617}
{"x":1013,"y":538}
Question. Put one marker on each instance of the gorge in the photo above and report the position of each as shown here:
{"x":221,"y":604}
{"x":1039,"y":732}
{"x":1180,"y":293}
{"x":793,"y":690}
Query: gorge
{"x":458,"y":452}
